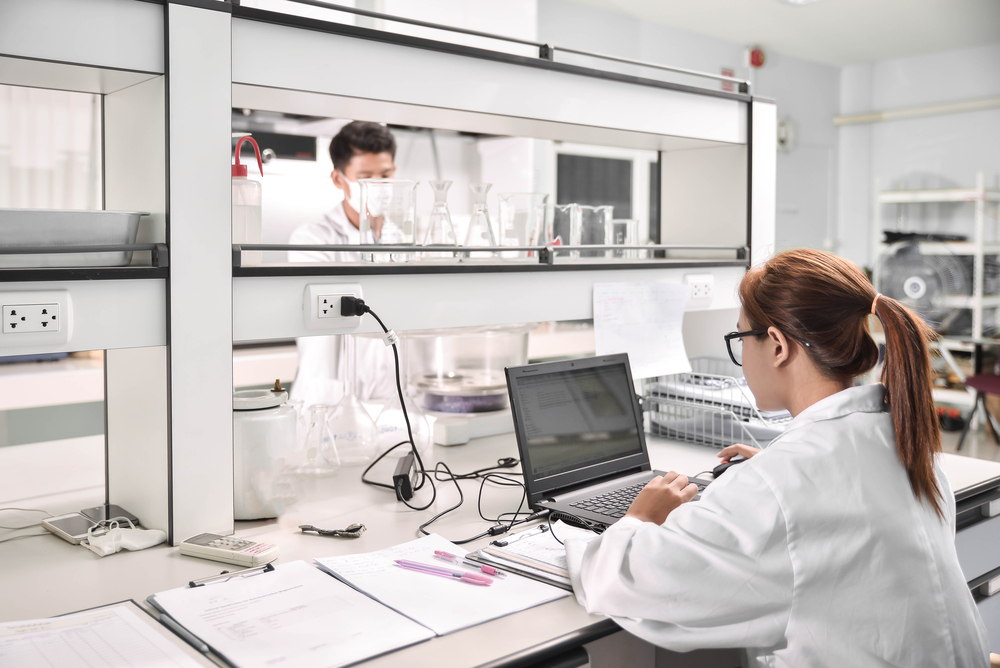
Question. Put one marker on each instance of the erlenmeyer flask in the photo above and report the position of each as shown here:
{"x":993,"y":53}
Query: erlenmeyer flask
{"x":354,"y":431}
{"x":480,"y":231}
{"x":440,"y":231}
{"x":319,"y":456}
{"x":388,"y":215}
{"x":392,"y":425}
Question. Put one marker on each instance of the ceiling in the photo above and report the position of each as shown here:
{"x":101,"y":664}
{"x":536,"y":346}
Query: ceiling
{"x":837,"y":32}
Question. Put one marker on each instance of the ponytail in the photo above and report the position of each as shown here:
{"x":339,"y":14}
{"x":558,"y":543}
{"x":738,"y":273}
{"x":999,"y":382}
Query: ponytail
{"x":825,"y":301}
{"x":906,"y":375}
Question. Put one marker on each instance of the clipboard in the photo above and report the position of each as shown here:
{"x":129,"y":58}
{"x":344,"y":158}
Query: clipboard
{"x":258,"y":617}
{"x":518,"y":569}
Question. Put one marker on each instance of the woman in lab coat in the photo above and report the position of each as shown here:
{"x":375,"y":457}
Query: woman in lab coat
{"x":835,"y":545}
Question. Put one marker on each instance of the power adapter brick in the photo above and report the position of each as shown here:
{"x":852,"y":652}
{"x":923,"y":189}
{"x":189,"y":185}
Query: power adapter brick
{"x":405,"y":479}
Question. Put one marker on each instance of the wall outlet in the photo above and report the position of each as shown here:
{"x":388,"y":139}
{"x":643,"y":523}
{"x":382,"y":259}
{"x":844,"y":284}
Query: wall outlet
{"x":321,"y":306}
{"x":702,"y":287}
{"x":35,"y":318}
{"x":23,"y":318}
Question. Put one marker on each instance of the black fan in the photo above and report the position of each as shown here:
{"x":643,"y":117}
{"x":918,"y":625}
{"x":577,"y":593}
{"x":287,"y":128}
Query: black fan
{"x":935,"y":284}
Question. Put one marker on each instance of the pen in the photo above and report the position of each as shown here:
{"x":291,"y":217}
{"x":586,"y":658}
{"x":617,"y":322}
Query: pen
{"x":462,"y":576}
{"x":489,"y":570}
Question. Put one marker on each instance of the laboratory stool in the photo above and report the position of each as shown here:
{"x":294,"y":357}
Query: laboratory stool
{"x":983,"y":384}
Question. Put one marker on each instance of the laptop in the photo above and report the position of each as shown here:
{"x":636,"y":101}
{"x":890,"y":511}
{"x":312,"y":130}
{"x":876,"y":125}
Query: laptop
{"x":580,"y":436}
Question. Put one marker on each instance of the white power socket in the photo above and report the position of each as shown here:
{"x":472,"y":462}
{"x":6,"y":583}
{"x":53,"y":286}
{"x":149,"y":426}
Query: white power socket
{"x":702,"y":287}
{"x":321,"y":306}
{"x":35,"y":318}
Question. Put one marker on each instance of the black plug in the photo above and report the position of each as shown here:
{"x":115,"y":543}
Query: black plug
{"x":350,"y":306}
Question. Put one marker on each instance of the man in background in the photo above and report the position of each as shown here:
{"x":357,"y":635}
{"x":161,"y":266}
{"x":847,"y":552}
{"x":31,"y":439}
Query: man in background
{"x":361,"y":150}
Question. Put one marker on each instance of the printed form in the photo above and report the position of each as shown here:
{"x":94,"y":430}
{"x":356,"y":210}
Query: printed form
{"x":294,"y":616}
{"x":643,"y":320}
{"x":120,"y":635}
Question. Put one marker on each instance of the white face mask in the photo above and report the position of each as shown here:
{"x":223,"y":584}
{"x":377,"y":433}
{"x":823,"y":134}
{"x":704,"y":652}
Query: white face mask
{"x":354,"y":200}
{"x":122,"y":539}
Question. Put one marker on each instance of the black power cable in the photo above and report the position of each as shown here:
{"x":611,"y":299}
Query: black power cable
{"x":352,"y":306}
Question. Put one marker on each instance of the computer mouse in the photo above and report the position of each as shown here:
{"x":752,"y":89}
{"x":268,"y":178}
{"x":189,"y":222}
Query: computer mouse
{"x":722,"y":468}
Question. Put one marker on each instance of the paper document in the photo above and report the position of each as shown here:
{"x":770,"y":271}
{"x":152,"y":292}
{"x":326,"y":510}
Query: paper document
{"x":294,"y":616}
{"x":440,"y":604}
{"x":119,"y":635}
{"x":544,"y":547}
{"x":643,"y":320}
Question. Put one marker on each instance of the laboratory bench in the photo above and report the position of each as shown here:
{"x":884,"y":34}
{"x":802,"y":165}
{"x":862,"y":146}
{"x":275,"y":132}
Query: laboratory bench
{"x":46,"y":576}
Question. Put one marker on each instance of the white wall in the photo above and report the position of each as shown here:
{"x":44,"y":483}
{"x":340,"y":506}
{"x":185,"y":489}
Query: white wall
{"x":806,"y":93}
{"x":933,"y":152}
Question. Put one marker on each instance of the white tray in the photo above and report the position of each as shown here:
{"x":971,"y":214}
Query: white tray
{"x":48,"y":227}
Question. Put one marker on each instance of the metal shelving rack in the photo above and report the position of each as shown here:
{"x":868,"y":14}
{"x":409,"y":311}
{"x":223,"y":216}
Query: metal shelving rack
{"x":170,"y":73}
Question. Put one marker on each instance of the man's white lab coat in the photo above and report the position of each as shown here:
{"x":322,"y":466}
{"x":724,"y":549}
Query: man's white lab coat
{"x":813,"y":553}
{"x":321,"y":369}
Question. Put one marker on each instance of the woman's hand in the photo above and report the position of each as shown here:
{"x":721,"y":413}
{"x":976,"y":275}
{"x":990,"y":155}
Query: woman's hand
{"x":735,"y":449}
{"x":660,"y":496}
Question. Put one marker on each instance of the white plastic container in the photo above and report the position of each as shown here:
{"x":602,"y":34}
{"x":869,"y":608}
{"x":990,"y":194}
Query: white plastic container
{"x":247,"y":218}
{"x":264,"y":438}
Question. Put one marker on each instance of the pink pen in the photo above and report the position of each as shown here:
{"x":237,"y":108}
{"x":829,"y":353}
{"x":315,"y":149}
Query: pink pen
{"x":461,"y":576}
{"x":489,"y":570}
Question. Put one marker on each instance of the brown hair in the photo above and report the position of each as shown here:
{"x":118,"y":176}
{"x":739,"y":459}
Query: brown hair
{"x":823,"y":300}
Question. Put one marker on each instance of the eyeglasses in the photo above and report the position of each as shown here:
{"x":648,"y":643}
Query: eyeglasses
{"x":736,"y":350}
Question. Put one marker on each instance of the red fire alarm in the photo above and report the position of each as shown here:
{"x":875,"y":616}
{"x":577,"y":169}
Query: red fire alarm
{"x":757,"y":57}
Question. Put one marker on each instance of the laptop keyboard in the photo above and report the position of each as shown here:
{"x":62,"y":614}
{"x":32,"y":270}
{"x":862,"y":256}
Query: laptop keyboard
{"x":614,"y":504}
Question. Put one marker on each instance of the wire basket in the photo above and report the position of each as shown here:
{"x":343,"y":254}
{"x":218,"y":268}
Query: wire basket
{"x":711,"y":405}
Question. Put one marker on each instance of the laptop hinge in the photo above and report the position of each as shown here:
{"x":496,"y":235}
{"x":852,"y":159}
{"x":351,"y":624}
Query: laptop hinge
{"x":592,"y":482}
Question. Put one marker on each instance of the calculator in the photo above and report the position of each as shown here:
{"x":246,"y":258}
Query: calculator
{"x":229,"y":549}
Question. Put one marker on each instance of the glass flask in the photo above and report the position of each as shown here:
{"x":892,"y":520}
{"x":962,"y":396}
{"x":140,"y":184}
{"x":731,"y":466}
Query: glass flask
{"x":522,"y":218}
{"x":480,"y":231}
{"x":440,"y":231}
{"x":593,"y":228}
{"x":391,"y":423}
{"x":388,"y":215}
{"x":622,"y":232}
{"x":319,"y":455}
{"x":353,"y":428}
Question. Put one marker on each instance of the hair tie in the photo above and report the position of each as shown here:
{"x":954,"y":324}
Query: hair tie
{"x":875,"y":302}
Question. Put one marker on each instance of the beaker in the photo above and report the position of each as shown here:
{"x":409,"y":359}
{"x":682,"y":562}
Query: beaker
{"x":319,"y":456}
{"x":622,"y":232}
{"x":353,"y":429}
{"x":593,"y":228}
{"x":522,"y":216}
{"x":562,"y":227}
{"x":440,"y":231}
{"x":388,"y":213}
{"x":390,"y":421}
{"x":480,"y":231}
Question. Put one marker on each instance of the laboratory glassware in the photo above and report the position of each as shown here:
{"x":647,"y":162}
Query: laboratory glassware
{"x":319,"y":457}
{"x":390,"y":421}
{"x":562,"y":226}
{"x":264,"y":441}
{"x":461,"y":370}
{"x":354,"y":431}
{"x":480,"y":232}
{"x":593,"y":228}
{"x":522,"y":217}
{"x":247,"y":217}
{"x":388,"y":216}
{"x":440,"y":231}
{"x":622,"y":232}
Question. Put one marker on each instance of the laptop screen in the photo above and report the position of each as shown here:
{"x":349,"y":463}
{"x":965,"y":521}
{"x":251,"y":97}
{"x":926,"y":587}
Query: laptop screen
{"x":575,"y":417}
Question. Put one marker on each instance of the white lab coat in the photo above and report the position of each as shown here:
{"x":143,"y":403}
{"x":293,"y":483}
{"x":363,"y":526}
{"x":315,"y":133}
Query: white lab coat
{"x":321,"y":369}
{"x":813,"y":553}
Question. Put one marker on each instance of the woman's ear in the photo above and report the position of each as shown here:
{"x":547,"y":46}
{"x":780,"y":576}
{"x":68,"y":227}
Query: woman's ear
{"x":781,"y":349}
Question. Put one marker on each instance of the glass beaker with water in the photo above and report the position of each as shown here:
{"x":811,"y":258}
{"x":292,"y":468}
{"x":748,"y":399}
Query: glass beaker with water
{"x":352,"y":426}
{"x":522,"y":217}
{"x":318,"y":457}
{"x":388,"y":215}
{"x":594,"y":221}
{"x":622,"y":232}
{"x":562,"y":227}
{"x":480,"y":232}
{"x":440,"y":231}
